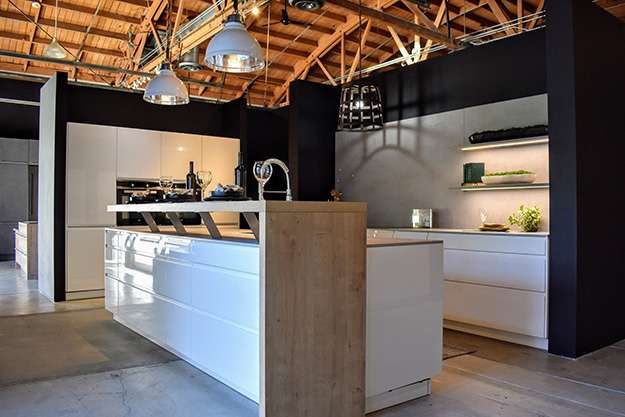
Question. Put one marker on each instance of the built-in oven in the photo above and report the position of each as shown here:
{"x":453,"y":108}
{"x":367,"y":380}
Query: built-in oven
{"x":149,"y":191}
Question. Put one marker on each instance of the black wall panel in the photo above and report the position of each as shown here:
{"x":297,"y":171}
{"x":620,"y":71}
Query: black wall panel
{"x":18,"y":120}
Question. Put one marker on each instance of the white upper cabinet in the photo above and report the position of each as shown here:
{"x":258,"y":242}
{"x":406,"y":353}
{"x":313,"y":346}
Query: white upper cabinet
{"x":138,"y":153}
{"x":91,"y":174}
{"x":220,"y":156}
{"x":177,"y":149}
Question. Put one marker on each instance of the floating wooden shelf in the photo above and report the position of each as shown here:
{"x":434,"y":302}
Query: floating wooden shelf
{"x":506,"y":143}
{"x":533,"y":186}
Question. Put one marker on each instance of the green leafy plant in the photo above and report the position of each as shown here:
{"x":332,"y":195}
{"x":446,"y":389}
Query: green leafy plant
{"x":518,"y":172}
{"x":527,"y":218}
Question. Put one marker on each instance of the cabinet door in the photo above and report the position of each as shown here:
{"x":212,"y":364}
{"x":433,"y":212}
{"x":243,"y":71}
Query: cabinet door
{"x":91,"y":174}
{"x":13,"y":150}
{"x":177,"y":149}
{"x":138,"y":153}
{"x":14,"y":192}
{"x":85,"y":259}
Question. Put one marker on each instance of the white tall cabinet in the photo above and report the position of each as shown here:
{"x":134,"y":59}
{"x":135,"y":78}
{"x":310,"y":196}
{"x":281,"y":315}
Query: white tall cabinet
{"x":97,"y":156}
{"x":138,"y":153}
{"x":90,"y":181}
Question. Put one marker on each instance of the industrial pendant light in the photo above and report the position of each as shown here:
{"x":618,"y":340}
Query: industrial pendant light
{"x":54,"y":49}
{"x":360,"y":107}
{"x":233,"y":49}
{"x":166,"y":88}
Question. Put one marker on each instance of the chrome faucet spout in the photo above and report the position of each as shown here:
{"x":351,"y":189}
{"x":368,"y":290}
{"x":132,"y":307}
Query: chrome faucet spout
{"x":275,"y":161}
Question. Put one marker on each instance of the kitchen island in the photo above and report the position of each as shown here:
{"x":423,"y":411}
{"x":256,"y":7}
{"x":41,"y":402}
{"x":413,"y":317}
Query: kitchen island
{"x":279,"y":314}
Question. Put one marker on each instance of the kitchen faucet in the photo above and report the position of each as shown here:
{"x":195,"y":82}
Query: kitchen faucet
{"x":274,"y":161}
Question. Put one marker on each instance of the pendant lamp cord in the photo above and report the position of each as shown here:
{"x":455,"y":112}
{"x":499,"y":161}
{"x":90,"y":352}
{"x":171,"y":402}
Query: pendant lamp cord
{"x":168,"y":35}
{"x":56,"y":17}
{"x":359,"y":39}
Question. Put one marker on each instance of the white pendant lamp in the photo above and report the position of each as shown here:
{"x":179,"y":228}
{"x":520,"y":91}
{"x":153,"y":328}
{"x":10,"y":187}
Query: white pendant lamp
{"x":166,"y":88}
{"x":233,"y":49}
{"x":54,"y":49}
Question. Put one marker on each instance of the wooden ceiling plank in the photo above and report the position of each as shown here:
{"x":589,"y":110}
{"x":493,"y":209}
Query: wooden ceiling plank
{"x":440,"y":14}
{"x":519,"y":14}
{"x":539,"y":8}
{"x":325,"y":71}
{"x":400,"y":45}
{"x":89,"y":10}
{"x":389,"y":19}
{"x":420,"y":15}
{"x":31,"y":37}
{"x":501,"y":13}
{"x":179,"y":15}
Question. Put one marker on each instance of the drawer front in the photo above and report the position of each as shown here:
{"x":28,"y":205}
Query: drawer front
{"x":493,"y":243}
{"x":176,"y":248}
{"x":166,"y":322}
{"x":137,"y":270}
{"x":110,"y":294}
{"x":380,"y":233}
{"x":516,"y":311}
{"x":227,"y":352}
{"x":22,"y":261}
{"x":23,"y":228}
{"x":405,"y":234}
{"x":144,"y":244}
{"x":116,"y":239}
{"x":21,"y":244}
{"x":242,"y":257}
{"x":229,"y":295}
{"x":112,"y":261}
{"x":524,"y":272}
{"x":173,"y":280}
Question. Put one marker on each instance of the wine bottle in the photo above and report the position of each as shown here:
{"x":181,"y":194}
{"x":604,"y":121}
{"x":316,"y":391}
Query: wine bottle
{"x":191,"y":182}
{"x":240,"y":174}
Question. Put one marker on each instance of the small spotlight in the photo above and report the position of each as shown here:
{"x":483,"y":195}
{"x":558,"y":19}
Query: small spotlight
{"x":255,"y":11}
{"x":36,"y":4}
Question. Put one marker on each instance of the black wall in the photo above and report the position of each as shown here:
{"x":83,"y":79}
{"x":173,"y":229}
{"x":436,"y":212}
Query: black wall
{"x":313,"y":112}
{"x":18,"y":120}
{"x":498,"y":71}
{"x":586,"y":74}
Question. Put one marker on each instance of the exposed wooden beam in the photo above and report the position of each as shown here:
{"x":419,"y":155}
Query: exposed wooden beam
{"x":156,"y":36}
{"x":44,"y":41}
{"x":400,"y":45}
{"x":389,"y":19}
{"x":31,"y":36}
{"x":179,"y":15}
{"x":437,"y":22}
{"x":360,"y":51}
{"x":501,"y":13}
{"x":64,"y":25}
{"x":539,"y":8}
{"x":519,"y":14}
{"x":325,"y":71}
{"x":90,"y":10}
{"x":421,"y":17}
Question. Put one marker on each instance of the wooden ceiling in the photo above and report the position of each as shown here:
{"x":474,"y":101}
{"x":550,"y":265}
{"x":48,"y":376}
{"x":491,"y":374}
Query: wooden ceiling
{"x":319,"y":46}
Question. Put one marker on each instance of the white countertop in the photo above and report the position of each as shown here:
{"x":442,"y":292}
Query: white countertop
{"x":389,"y":241}
{"x":465,"y":231}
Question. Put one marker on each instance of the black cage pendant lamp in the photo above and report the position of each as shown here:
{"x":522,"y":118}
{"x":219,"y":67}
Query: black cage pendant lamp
{"x":360,"y":107}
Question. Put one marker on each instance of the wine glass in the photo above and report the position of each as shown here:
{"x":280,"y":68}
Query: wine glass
{"x":483,"y":215}
{"x":167,"y":183}
{"x":203,"y":179}
{"x":262,"y":175}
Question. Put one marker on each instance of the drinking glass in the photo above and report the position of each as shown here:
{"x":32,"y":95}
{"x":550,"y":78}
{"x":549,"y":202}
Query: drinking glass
{"x":262,"y":176}
{"x":483,"y":215}
{"x":203,"y":179}
{"x":167,"y":183}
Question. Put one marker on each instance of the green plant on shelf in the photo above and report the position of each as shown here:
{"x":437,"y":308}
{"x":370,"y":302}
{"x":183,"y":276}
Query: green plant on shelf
{"x":501,"y":173}
{"x":527,"y":218}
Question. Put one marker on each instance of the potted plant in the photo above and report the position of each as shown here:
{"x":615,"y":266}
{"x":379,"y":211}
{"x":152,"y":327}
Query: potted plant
{"x":527,"y":218}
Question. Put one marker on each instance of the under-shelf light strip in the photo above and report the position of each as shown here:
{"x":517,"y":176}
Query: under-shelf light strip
{"x":505,"y":144}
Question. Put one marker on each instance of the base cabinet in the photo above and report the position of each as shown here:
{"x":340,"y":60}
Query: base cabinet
{"x":85,"y":250}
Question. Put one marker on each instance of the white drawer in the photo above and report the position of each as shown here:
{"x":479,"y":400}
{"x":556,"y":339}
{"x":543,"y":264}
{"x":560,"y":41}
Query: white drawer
{"x":515,"y":311}
{"x":22,"y":261}
{"x":166,"y":322}
{"x":21,"y":243}
{"x":178,"y":248}
{"x":524,"y":272}
{"x":407,"y":234}
{"x":116,"y":239}
{"x":144,"y":244}
{"x":243,"y":257}
{"x":227,"y":352}
{"x":138,"y":270}
{"x":528,"y":245}
{"x":380,"y":233}
{"x":110,"y":294}
{"x":173,"y":280}
{"x":226,"y":294}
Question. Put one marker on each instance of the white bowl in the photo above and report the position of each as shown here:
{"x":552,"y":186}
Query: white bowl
{"x":509,"y":179}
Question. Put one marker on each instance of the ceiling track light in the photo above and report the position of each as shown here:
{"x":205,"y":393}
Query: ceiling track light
{"x":166,"y":88}
{"x":233,"y":49}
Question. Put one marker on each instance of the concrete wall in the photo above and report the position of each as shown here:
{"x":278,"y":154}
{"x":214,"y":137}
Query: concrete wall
{"x":417,"y":163}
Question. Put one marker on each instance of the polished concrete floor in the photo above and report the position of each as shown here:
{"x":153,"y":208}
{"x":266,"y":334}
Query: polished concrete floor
{"x":78,"y":362}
